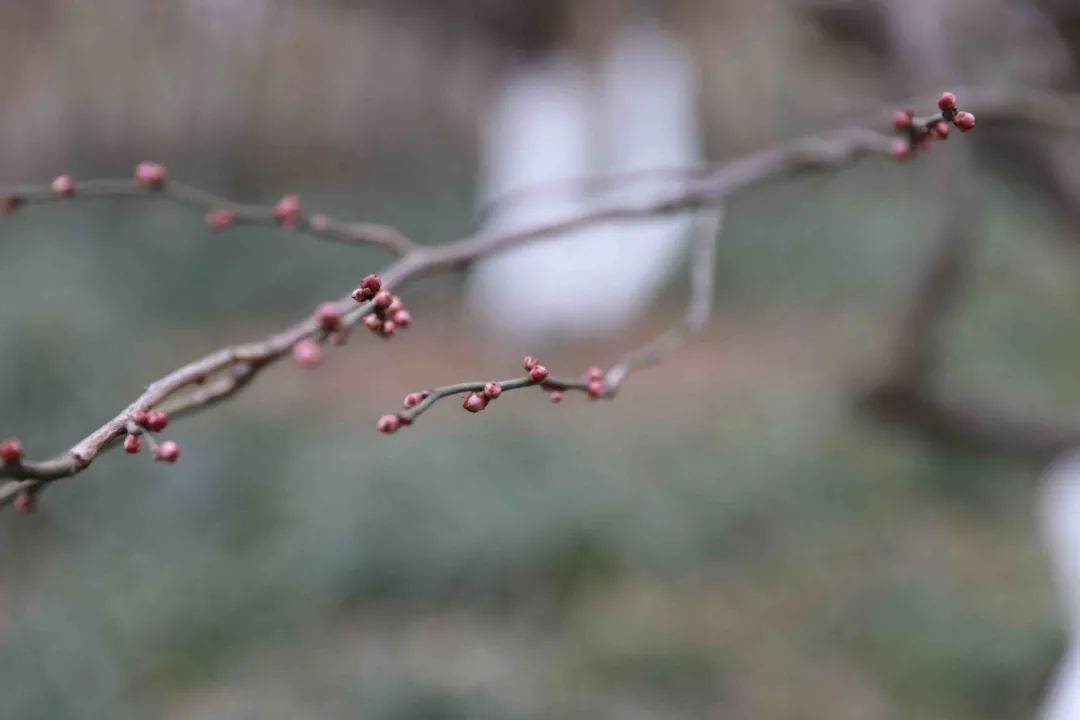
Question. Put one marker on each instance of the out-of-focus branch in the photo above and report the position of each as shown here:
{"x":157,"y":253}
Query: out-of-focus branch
{"x":220,"y":212}
{"x":993,"y":106}
{"x":698,"y":309}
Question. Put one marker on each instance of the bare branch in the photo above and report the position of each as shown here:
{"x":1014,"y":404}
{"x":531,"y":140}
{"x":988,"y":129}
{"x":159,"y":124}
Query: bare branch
{"x":698,"y":309}
{"x":221,"y":374}
{"x":227,"y":212}
{"x":596,"y":383}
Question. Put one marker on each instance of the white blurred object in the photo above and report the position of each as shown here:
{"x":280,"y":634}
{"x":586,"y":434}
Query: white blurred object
{"x":552,"y":123}
{"x":1059,"y":518}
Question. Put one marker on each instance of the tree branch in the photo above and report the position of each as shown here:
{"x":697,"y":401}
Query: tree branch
{"x":220,"y":212}
{"x":596,"y":383}
{"x":221,"y":374}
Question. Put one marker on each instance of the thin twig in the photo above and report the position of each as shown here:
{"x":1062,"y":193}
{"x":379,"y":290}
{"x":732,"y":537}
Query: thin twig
{"x":180,"y":193}
{"x":698,"y":310}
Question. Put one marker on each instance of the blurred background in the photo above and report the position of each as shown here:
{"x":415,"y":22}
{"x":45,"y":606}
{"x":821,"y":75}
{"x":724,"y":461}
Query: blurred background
{"x":733,"y":537}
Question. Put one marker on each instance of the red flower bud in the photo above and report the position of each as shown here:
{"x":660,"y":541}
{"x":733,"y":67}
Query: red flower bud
{"x":24,"y":503}
{"x":395,"y":304}
{"x":555,"y":396}
{"x":412,"y":400}
{"x":156,"y":421}
{"x":307,"y":352}
{"x":595,"y":373}
{"x":474,"y":402}
{"x":287,"y":211}
{"x":64,"y":186}
{"x":964,"y":120}
{"x":328,"y":316}
{"x":373,"y":323}
{"x":901,"y":120}
{"x":388,"y":328}
{"x":372,"y":283}
{"x":383,"y":298}
{"x":901,"y":149}
{"x":941,"y":131}
{"x":139,"y":417}
{"x":220,"y":219}
{"x":596,"y":389}
{"x":403,"y":318}
{"x":538,"y":373}
{"x":168,"y":452}
{"x":946,"y":101}
{"x":11,"y":450}
{"x":132,"y":444}
{"x":9,"y":203}
{"x":388,"y":424}
{"x":151,"y":175}
{"x":492,"y":390}
{"x":529,"y":362}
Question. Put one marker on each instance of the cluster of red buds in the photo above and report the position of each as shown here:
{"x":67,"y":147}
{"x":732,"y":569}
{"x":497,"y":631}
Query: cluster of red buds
{"x":11,"y":450}
{"x":479,"y":395}
{"x":390,"y":313}
{"x":538,"y":374}
{"x":478,"y":399}
{"x":595,"y":387}
{"x":150,"y":421}
{"x":919,"y":132}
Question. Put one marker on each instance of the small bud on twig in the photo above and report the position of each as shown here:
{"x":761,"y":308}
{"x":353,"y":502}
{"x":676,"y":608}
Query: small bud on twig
{"x":220,"y":219}
{"x":24,"y":503}
{"x":964,"y":120}
{"x":307,"y":353}
{"x":151,"y":175}
{"x":474,"y":402}
{"x":383,"y":299}
{"x":11,"y":450}
{"x":156,"y":421}
{"x":64,"y":186}
{"x":287,"y":211}
{"x":168,"y":452}
{"x":328,"y":316}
